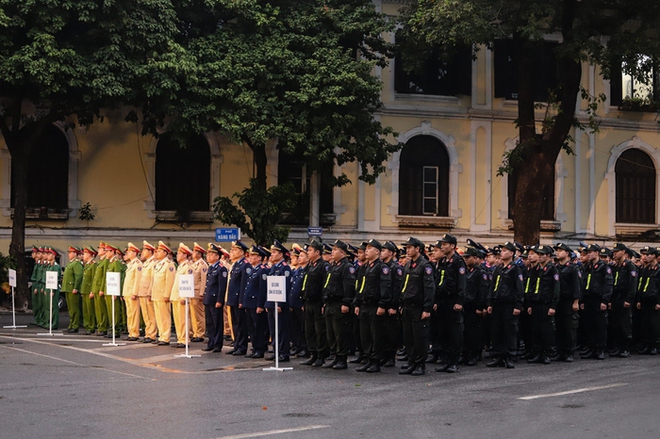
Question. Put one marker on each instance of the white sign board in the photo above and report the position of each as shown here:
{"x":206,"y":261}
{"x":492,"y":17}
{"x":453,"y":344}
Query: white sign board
{"x":113,"y":284}
{"x":12,"y":278}
{"x":186,"y":286}
{"x":276,"y":289}
{"x":51,"y":280}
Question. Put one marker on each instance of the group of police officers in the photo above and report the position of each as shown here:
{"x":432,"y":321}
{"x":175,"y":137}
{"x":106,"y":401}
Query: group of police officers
{"x":429,"y":305}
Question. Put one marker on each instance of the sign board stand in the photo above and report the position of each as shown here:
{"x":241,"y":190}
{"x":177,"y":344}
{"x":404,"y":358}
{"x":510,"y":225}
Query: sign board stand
{"x":51,"y":284}
{"x":12,"y":284}
{"x":277,"y":294}
{"x":113,"y":288}
{"x":187,"y":290}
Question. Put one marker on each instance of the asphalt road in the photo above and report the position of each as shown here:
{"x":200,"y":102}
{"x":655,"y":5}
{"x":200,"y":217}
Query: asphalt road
{"x":71,"y":386}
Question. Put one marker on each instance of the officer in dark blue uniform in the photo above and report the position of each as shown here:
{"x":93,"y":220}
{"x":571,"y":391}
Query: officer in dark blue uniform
{"x":570,"y":292}
{"x":623,"y":299}
{"x":393,"y":328}
{"x":312,"y":294}
{"x":214,"y":297}
{"x":253,"y":300}
{"x":598,"y":282}
{"x":278,"y":256}
{"x":237,"y":280}
{"x":298,"y":341}
{"x":476,"y":292}
{"x":648,"y":303}
{"x":543,"y":305}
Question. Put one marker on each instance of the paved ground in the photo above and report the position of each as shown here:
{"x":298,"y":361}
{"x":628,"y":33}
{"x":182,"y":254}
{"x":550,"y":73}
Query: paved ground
{"x":72,"y":386}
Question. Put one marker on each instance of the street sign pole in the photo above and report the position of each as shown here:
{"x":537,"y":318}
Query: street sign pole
{"x":51,"y":284}
{"x":187,"y":290}
{"x":113,"y":289}
{"x":277,"y":294}
{"x":12,"y":284}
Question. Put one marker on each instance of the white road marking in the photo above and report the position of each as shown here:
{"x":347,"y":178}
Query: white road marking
{"x":271,"y":432}
{"x":570,"y":392}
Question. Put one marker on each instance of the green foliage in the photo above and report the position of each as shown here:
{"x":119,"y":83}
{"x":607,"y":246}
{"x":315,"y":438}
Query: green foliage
{"x":85,"y":212}
{"x":6,"y":262}
{"x":299,"y":72}
{"x":257,"y":211}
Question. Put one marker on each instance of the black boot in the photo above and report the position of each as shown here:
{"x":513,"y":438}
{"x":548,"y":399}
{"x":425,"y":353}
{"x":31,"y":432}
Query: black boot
{"x":420,"y":369}
{"x":508,"y":362}
{"x":311,"y":360}
{"x":374,"y":367}
{"x":332,"y":364}
{"x":496,"y":362}
{"x":341,"y":363}
{"x":390,"y":360}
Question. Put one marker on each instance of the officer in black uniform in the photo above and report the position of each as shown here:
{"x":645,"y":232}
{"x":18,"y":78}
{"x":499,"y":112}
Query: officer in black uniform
{"x":598,"y":283}
{"x":450,"y":273}
{"x":505,"y":301}
{"x":417,"y":297}
{"x":624,"y":291}
{"x":279,"y":253}
{"x":648,"y":302}
{"x":372,"y":301}
{"x":570,"y":293}
{"x":214,"y":298}
{"x":476,"y":292}
{"x":543,"y":305}
{"x":312,"y":293}
{"x":338,"y":296}
{"x":392,"y":321}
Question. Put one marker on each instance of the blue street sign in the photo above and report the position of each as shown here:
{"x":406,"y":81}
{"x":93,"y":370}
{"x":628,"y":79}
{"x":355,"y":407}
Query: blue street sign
{"x":227,"y":234}
{"x":314,"y":231}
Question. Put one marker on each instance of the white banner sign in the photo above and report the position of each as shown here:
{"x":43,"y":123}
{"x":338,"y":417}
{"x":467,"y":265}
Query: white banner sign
{"x":12,"y":278}
{"x":186,"y":286}
{"x":51,"y":280}
{"x":113,"y":284}
{"x":276,"y":289}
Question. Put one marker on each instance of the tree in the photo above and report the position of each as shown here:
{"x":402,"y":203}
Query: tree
{"x":68,"y":60}
{"x":600,"y":32}
{"x":297,"y":72}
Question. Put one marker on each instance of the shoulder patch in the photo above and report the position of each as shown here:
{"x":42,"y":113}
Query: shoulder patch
{"x":461,"y":270}
{"x":224,"y":274}
{"x":171,"y":268}
{"x":399,"y":272}
{"x":189,"y":271}
{"x":609,"y":270}
{"x":351,"y":270}
{"x":327,"y":268}
{"x":139,"y":268}
{"x":287,"y":273}
{"x":520,"y":277}
{"x":556,"y":276}
{"x":579,"y":274}
{"x":633,"y":273}
{"x":248,"y":270}
{"x":485,"y":276}
{"x":386,"y":269}
{"x":264,"y":276}
{"x":428,"y":270}
{"x":203,"y":269}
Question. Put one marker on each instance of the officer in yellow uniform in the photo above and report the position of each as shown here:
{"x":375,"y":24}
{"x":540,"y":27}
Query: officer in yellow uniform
{"x":71,"y":281}
{"x":130,"y":291}
{"x":88,"y":313}
{"x":183,"y":256}
{"x":160,"y":293}
{"x":98,"y":292}
{"x":144,"y":292}
{"x":197,"y":312}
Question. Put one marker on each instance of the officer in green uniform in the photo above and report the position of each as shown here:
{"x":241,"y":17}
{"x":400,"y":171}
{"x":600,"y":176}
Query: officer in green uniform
{"x":37,"y":297}
{"x":88,"y":313}
{"x":52,"y":265}
{"x":122,"y":327}
{"x":71,"y":281}
{"x":98,"y":291}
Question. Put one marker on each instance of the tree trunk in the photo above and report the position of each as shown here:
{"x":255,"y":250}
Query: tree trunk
{"x":260,"y":161}
{"x":19,"y":156}
{"x":530,"y":187}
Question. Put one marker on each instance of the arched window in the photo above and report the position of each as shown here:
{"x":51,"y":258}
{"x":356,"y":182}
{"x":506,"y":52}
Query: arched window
{"x":635,"y":188}
{"x":183,"y":175}
{"x":424,"y":177}
{"x":292,"y":168}
{"x":48,"y":177}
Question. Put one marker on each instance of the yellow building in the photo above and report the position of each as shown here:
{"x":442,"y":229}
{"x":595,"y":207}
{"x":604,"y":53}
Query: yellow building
{"x":456,"y":123}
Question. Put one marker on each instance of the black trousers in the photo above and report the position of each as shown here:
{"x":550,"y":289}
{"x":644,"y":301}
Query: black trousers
{"x":566,"y":322}
{"x":284,"y":325}
{"x":621,"y":324}
{"x":257,"y":324}
{"x":650,"y":321}
{"x":415,"y":335}
{"x":214,"y":326}
{"x":338,"y":327}
{"x":239,"y":322}
{"x":472,"y":333}
{"x":504,"y":329}
{"x":392,"y":333}
{"x":297,"y":329}
{"x":595,"y":323}
{"x":315,"y":332}
{"x":543,"y":328}
{"x":450,"y":332}
{"x":373,"y":332}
